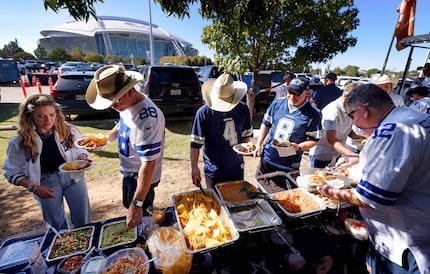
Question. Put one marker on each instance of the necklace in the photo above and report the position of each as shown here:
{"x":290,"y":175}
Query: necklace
{"x":45,"y":135}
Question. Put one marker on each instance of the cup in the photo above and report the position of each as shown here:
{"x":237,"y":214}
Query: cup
{"x":157,"y":213}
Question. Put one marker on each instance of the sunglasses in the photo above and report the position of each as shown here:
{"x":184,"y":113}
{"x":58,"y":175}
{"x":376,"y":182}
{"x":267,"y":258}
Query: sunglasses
{"x":293,"y":92}
{"x":352,"y":112}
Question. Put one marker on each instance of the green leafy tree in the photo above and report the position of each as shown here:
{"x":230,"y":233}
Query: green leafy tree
{"x":352,"y":70}
{"x":256,"y":34}
{"x":338,"y":71}
{"x":11,"y":49}
{"x":94,"y":57}
{"x":58,"y":54}
{"x":40,"y":52}
{"x":79,"y":10}
{"x":23,"y":55}
{"x":372,"y":71}
{"x":76,"y":54}
{"x":261,"y":34}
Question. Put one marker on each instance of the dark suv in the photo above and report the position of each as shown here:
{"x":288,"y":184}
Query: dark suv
{"x":174,"y":89}
{"x":69,"y":92}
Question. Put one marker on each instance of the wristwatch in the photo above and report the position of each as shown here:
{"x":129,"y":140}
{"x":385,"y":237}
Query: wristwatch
{"x":137,"y":203}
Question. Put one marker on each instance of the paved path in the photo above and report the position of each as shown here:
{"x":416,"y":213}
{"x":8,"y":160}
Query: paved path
{"x":12,"y":93}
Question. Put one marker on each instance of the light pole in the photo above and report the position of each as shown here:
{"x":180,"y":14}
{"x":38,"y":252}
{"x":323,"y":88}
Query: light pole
{"x":151,"y":40}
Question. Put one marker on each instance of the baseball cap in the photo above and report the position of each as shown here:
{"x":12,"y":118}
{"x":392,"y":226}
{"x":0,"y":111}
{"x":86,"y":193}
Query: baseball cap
{"x":299,"y":84}
{"x":289,"y":75}
{"x":425,"y":67}
{"x":331,"y":76}
{"x":420,"y":90}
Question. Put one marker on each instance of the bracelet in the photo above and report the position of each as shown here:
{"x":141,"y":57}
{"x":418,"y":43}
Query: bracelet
{"x":30,"y":186}
{"x":35,"y":188}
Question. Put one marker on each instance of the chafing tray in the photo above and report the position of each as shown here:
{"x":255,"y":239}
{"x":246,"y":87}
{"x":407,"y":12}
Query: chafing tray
{"x":115,"y":231}
{"x":253,"y":216}
{"x":234,"y":191}
{"x":223,"y":216}
{"x":85,"y":240}
{"x":296,"y":195}
{"x":275,"y":182}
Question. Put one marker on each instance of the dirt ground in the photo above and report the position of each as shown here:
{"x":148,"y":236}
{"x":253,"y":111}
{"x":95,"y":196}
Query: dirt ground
{"x":19,"y":212}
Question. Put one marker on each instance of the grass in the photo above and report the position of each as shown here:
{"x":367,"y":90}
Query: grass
{"x":107,"y":161}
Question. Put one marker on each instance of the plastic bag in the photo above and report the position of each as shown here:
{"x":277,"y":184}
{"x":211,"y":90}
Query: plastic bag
{"x":167,"y":242}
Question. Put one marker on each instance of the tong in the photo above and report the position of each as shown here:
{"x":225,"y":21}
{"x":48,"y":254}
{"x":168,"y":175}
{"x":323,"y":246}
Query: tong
{"x":199,"y":184}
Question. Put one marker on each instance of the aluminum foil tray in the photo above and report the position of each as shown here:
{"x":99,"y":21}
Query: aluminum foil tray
{"x":86,"y":242}
{"x":254,"y":215}
{"x":223,"y":215}
{"x":234,"y":191}
{"x":115,"y":231}
{"x":274,"y":182}
{"x":290,"y":202}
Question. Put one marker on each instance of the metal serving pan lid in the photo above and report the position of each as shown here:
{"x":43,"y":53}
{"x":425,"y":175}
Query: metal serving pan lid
{"x":254,"y":215}
{"x":184,"y":204}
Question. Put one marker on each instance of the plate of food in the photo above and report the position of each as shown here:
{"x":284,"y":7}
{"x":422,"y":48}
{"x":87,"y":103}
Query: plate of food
{"x":76,"y":166}
{"x":323,"y":176}
{"x":92,"y":141}
{"x":245,"y":148}
{"x":128,"y":260}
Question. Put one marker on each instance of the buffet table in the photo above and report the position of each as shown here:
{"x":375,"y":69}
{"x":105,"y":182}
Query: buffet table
{"x":267,"y":249}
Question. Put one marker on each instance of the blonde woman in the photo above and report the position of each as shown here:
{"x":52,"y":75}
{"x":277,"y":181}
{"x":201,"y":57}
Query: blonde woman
{"x":44,"y":142}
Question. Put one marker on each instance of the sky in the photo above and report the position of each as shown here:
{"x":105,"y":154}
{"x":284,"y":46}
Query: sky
{"x":25,"y":19}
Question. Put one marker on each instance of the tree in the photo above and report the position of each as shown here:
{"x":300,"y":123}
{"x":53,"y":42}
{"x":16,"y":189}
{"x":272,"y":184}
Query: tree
{"x":255,"y":34}
{"x":76,"y":54}
{"x":58,"y":54}
{"x":352,"y":70}
{"x":40,"y":52}
{"x":79,"y":10}
{"x":94,"y":57}
{"x":11,"y":49}
{"x":258,"y":34}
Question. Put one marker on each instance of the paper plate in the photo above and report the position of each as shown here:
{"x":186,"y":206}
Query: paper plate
{"x":60,"y":168}
{"x":77,"y":141}
{"x":243,"y":149}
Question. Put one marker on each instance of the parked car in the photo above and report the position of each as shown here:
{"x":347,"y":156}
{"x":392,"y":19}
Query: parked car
{"x":267,"y":82}
{"x":208,"y":72}
{"x":74,"y":66}
{"x":69,"y":92}
{"x":174,"y":89}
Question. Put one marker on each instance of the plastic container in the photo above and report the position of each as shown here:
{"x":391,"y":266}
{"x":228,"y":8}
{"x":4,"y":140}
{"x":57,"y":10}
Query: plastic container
{"x":116,"y":230}
{"x":134,"y":256}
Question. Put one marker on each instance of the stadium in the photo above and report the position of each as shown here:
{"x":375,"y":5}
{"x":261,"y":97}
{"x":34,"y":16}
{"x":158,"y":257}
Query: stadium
{"x":112,"y":35}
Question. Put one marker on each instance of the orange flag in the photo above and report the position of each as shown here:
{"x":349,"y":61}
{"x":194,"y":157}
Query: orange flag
{"x":406,"y":23}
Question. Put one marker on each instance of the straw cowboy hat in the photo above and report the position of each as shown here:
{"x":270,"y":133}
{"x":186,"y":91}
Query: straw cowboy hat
{"x":223,"y":94}
{"x":110,"y":83}
{"x":385,"y":79}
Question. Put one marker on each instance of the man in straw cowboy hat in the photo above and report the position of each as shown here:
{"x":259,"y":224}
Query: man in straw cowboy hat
{"x":140,"y":134}
{"x":386,"y":83}
{"x":224,"y":121}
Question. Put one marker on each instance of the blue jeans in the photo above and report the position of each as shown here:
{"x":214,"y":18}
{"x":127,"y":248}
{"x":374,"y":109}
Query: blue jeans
{"x":318,"y":163}
{"x":129,"y":184}
{"x":381,"y":265}
{"x":76,"y":196}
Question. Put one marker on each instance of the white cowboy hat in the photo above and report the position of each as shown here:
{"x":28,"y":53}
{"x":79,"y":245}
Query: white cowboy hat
{"x":110,"y":83}
{"x":223,"y":94}
{"x":384,"y":79}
